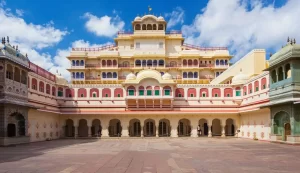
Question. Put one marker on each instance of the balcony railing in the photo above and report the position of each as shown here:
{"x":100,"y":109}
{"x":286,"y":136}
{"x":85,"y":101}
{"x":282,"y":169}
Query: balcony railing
{"x":130,"y":32}
{"x":106,"y":47}
{"x":204,"y":48}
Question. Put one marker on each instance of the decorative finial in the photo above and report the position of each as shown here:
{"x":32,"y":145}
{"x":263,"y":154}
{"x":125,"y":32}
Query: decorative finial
{"x":3,"y":40}
{"x":288,"y":40}
{"x":294,"y":41}
{"x":17,"y":47}
{"x":14,"y":47}
{"x":7,"y":39}
{"x":26,"y":55}
{"x":149,"y":9}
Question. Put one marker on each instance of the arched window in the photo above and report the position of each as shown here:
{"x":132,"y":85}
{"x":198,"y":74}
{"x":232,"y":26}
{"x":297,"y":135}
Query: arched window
{"x":195,"y":62}
{"x":118,"y":92}
{"x":137,"y":62}
{"x":131,"y":91}
{"x":216,"y":92}
{"x":245,"y":90}
{"x":41,"y":86}
{"x":256,"y":86}
{"x":126,"y":64}
{"x":179,"y":92}
{"x":94,"y":92}
{"x":228,"y":92}
{"x":109,"y":63}
{"x":103,"y":63}
{"x":184,"y":75}
{"x":250,"y":88}
{"x":273,"y":76}
{"x":161,"y":62}
{"x":106,"y":92}
{"x":217,"y":74}
{"x":160,"y":27}
{"x":196,"y":75}
{"x":226,"y":62}
{"x":280,"y":74}
{"x":104,"y":75}
{"x":109,"y":75}
{"x":149,"y":27}
{"x":167,"y":91}
{"x":81,"y":75}
{"x":149,"y":91}
{"x":115,"y":75}
{"x":173,"y":64}
{"x":47,"y":88}
{"x":190,"y":62}
{"x":149,"y":63}
{"x":77,"y":75}
{"x":77,"y":62}
{"x":73,"y":63}
{"x":60,"y":92}
{"x":263,"y":83}
{"x":82,"y":92}
{"x":144,"y":27}
{"x":137,"y":27}
{"x":9,"y":71}
{"x":191,"y":92}
{"x":237,"y":91}
{"x":115,"y":62}
{"x":190,"y":75}
{"x":53,"y":91}
{"x":184,"y":62}
{"x":204,"y":92}
{"x":81,"y":63}
{"x":221,"y":62}
{"x":154,"y":63}
{"x":217,"y":62}
{"x":154,"y":27}
{"x":17,"y":75}
{"x":69,"y":92}
{"x":73,"y":75}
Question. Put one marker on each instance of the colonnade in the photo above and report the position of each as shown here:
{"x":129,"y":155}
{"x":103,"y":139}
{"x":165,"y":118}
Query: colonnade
{"x":148,"y":127}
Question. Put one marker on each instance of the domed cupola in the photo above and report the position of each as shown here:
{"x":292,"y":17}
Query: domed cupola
{"x":160,"y":18}
{"x":130,"y":76}
{"x":137,"y":18}
{"x":240,"y":78}
{"x":60,"y":80}
{"x":167,"y":76}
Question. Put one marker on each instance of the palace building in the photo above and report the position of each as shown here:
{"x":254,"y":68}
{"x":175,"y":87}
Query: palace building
{"x":151,"y":84}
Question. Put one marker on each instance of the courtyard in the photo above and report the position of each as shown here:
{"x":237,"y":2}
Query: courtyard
{"x":149,"y":155}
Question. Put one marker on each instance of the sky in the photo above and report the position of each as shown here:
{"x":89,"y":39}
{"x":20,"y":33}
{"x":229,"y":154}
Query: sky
{"x":47,"y":30}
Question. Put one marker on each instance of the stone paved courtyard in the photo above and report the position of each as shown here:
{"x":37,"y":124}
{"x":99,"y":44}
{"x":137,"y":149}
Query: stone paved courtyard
{"x":207,"y":155}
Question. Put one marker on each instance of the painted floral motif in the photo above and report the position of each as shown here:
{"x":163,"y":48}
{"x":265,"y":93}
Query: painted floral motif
{"x":37,"y":135}
{"x":45,"y":134}
{"x":37,"y":125}
{"x":45,"y":125}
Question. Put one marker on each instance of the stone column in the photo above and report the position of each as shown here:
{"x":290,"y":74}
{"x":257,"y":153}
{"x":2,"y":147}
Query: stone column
{"x":125,"y":126}
{"x":62,"y":131}
{"x":174,"y":124}
{"x":209,"y":131}
{"x":236,"y":131}
{"x":89,"y":131}
{"x":142,"y":128}
{"x":194,"y":125}
{"x":223,"y":131}
{"x":156,"y":128}
{"x":76,"y":132}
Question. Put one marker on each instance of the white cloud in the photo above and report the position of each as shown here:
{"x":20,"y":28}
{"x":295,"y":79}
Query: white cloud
{"x":19,"y":12}
{"x":175,"y":17}
{"x":31,"y":38}
{"x":244,"y":25}
{"x":2,"y":3}
{"x":104,"y":26}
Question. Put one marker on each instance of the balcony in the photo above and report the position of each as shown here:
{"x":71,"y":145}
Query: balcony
{"x":150,"y":97}
{"x":125,"y":66}
{"x":77,"y":67}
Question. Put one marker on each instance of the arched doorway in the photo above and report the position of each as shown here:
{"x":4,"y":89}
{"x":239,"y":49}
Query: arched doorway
{"x":281,"y":124}
{"x":216,"y":127}
{"x":229,"y":127}
{"x":69,"y":128}
{"x":184,"y":128}
{"x":203,"y":127}
{"x":134,"y":128}
{"x":149,"y":128}
{"x":164,"y":128}
{"x":115,"y":128}
{"x":83,"y":128}
{"x":16,"y":125}
{"x":287,"y":130}
{"x":96,"y":128}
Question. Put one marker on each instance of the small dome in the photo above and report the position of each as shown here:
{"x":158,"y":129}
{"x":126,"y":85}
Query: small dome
{"x":167,"y":76}
{"x":130,"y":76}
{"x":161,"y":18}
{"x":137,"y":18}
{"x":240,"y":78}
{"x":60,"y":80}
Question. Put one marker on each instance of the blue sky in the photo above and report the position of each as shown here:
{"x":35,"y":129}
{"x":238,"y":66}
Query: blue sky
{"x":46,"y":30}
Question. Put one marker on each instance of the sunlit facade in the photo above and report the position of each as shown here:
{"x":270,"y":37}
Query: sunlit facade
{"x":149,"y":84}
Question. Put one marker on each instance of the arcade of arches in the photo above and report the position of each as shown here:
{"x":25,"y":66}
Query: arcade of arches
{"x":135,"y":127}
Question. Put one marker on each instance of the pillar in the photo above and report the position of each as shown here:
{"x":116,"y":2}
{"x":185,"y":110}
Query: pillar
{"x":156,"y":128}
{"x":76,"y":131}
{"x":223,"y":130}
{"x":89,"y":131}
{"x":174,"y":124}
{"x":105,"y":125}
{"x":142,"y":128}
{"x":194,"y":125}
{"x":125,"y":126}
{"x":209,"y":130}
{"x":236,"y":131}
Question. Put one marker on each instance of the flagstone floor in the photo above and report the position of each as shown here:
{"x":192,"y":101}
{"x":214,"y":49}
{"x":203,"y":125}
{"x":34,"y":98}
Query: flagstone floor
{"x":163,"y":155}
